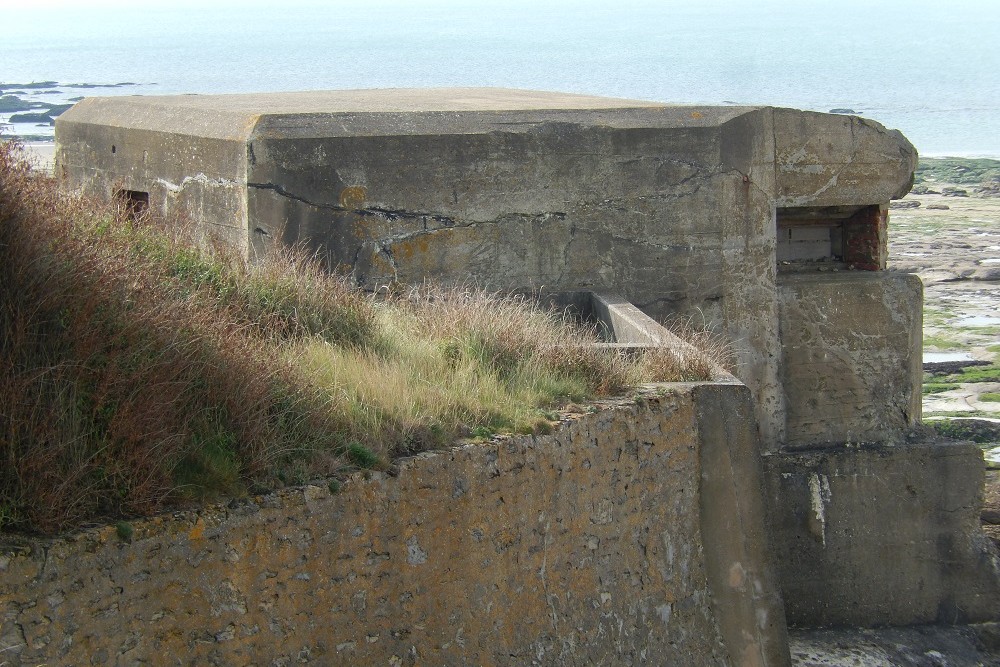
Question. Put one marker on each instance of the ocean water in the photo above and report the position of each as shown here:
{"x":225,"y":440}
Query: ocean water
{"x":930,"y":69}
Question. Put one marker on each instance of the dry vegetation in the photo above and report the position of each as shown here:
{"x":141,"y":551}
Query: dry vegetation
{"x":140,"y":371}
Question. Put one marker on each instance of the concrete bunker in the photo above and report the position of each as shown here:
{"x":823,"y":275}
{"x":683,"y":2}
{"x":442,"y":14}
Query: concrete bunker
{"x":719,"y":213}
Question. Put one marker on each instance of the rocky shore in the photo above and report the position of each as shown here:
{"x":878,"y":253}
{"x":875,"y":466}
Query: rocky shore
{"x":947,"y":230}
{"x":29,"y":110}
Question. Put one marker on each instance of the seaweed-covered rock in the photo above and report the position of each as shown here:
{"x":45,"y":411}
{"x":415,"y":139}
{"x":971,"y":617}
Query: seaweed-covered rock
{"x":13,"y":103}
{"x":41,"y":117}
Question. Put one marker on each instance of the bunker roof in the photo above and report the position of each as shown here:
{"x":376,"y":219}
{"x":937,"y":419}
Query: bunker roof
{"x":391,"y":111}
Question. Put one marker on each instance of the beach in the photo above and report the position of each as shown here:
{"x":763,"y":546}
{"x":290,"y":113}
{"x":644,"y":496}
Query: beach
{"x":42,"y":154}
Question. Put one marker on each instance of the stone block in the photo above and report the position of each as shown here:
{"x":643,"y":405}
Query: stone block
{"x":851,"y":356}
{"x":882,"y":535}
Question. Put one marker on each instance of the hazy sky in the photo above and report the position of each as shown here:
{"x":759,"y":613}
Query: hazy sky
{"x":920,"y":65}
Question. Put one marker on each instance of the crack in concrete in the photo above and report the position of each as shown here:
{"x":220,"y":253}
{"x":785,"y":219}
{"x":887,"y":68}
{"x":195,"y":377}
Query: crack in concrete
{"x":565,"y":253}
{"x":391,"y":214}
{"x":274,"y":187}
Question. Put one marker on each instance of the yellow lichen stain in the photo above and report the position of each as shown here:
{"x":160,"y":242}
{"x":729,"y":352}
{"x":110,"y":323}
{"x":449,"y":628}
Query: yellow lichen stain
{"x":353,"y":197}
{"x":197,"y":532}
{"x":696,"y":114}
{"x":405,"y":250}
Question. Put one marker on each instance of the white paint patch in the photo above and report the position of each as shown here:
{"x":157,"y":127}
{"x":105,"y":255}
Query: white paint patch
{"x":820,"y":495}
{"x":201,"y":179}
{"x":664,"y":611}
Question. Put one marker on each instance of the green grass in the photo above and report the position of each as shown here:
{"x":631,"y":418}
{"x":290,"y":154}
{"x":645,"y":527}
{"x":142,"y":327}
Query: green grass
{"x":938,"y":387}
{"x":953,"y":413}
{"x":960,"y":429}
{"x":976,"y":374}
{"x":140,"y":371}
{"x":942,"y":342}
{"x":990,"y":397}
{"x":960,"y":171}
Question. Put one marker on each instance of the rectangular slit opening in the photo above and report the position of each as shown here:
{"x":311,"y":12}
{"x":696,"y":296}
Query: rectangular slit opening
{"x":135,"y":202}
{"x":824,"y":238}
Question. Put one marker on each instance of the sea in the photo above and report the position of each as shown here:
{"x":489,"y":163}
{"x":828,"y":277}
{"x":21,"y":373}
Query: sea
{"x":928,"y":68}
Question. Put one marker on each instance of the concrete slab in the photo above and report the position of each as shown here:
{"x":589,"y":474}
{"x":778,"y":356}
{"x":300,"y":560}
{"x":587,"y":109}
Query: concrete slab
{"x":920,"y":646}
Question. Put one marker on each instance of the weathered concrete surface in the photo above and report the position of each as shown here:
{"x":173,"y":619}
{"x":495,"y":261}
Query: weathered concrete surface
{"x":582,"y":547}
{"x":672,"y":207}
{"x":870,"y":536}
{"x":198,"y":174}
{"x":835,"y":160}
{"x":851,"y":356}
{"x":921,"y":646}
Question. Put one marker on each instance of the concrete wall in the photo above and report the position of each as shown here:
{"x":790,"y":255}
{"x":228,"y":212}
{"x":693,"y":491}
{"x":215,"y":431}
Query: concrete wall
{"x":674,"y":209}
{"x":851,"y":356}
{"x":870,"y":536}
{"x":632,"y":535}
{"x":656,"y":203}
{"x":671,"y":207}
{"x":190,"y":169}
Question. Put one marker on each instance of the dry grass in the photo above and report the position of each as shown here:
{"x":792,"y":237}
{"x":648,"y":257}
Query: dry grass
{"x":139,"y":371}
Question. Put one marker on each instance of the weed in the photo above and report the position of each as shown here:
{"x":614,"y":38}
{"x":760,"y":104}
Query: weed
{"x":124,"y":531}
{"x":482,"y":433}
{"x":361,"y":456}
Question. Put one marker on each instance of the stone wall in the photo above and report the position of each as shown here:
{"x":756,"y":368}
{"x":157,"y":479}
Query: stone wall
{"x":630,"y":535}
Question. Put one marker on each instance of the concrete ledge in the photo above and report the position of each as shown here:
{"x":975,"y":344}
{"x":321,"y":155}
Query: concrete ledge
{"x":588,"y":546}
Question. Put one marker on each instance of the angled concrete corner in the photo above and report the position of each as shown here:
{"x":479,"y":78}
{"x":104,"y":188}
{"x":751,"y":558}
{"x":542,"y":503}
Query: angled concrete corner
{"x":734,"y":523}
{"x":833,"y":160}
